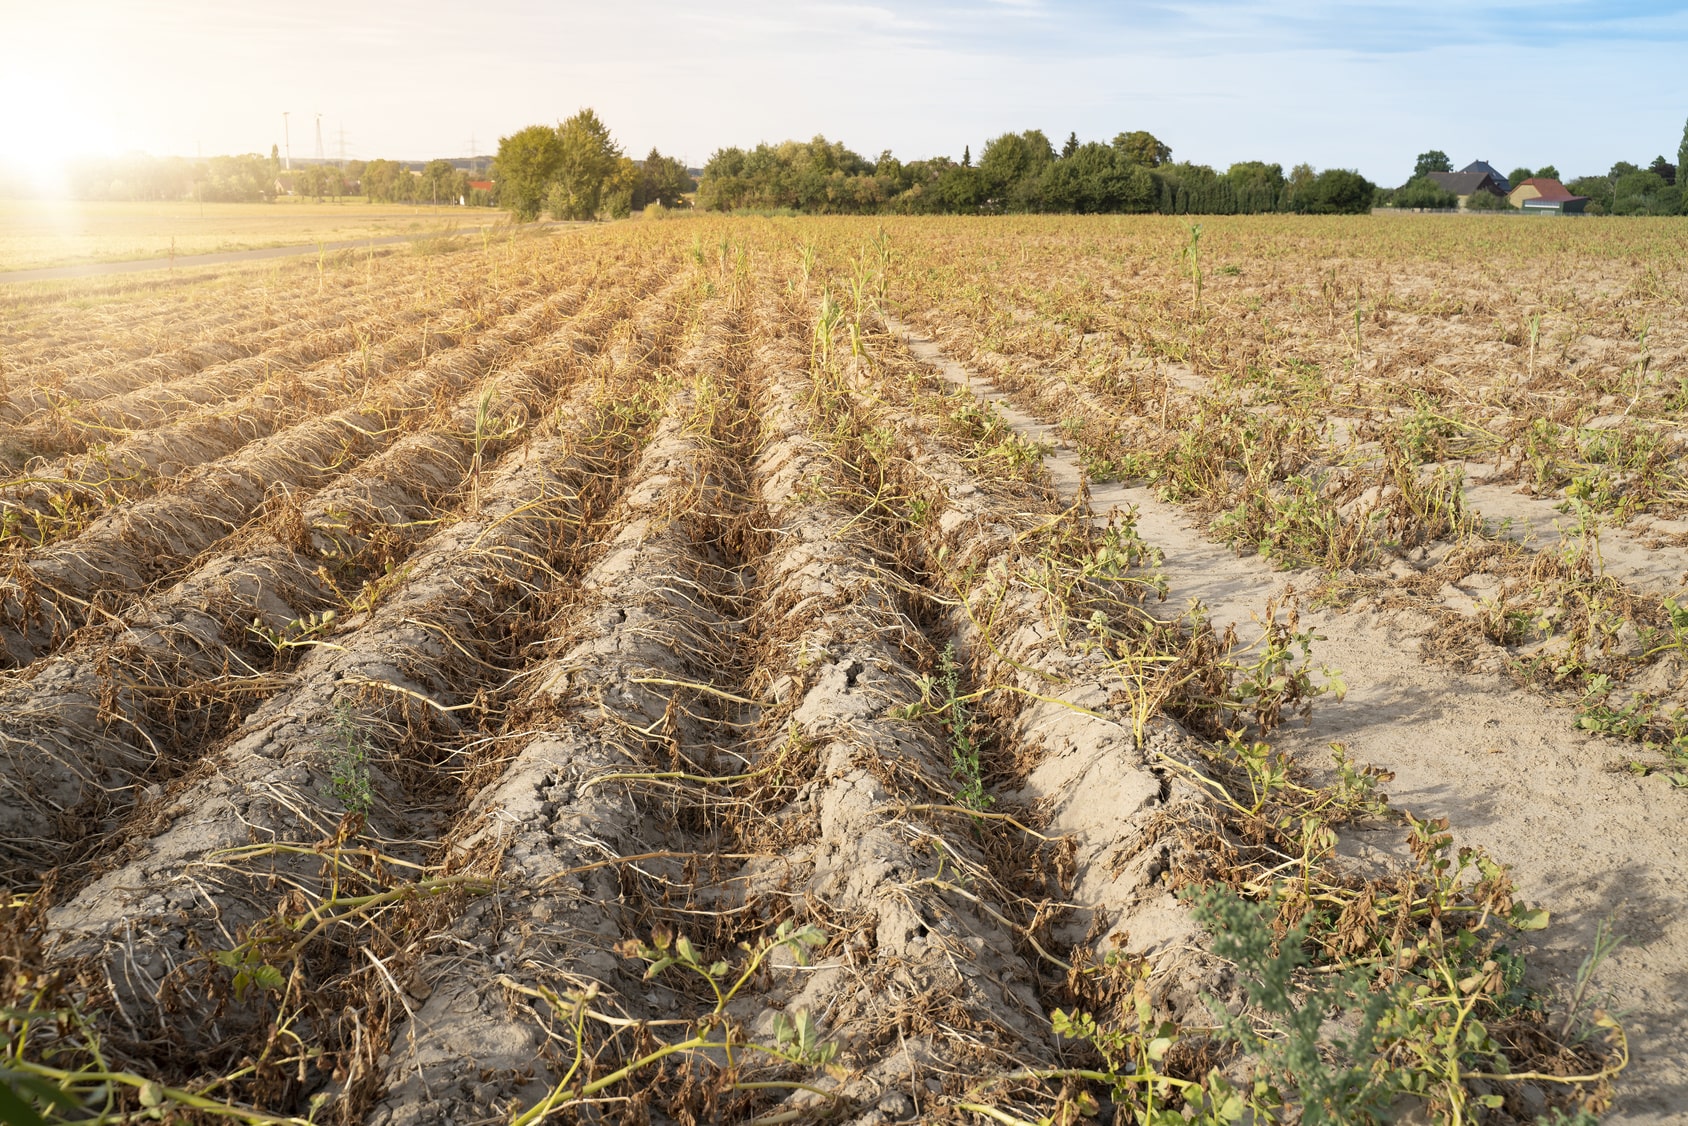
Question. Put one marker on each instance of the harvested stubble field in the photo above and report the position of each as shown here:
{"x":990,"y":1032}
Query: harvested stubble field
{"x":964,"y":670}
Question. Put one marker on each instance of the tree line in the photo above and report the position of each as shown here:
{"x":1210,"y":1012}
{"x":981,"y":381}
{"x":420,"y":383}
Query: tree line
{"x":253,"y":178}
{"x":575,"y":170}
{"x":1019,"y":172}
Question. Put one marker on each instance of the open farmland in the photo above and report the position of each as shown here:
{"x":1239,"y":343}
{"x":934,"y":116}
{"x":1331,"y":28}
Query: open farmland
{"x":37,"y":233}
{"x":947,"y":670}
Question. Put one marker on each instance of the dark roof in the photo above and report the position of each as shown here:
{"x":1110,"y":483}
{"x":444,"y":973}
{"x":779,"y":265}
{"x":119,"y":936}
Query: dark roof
{"x":1485,"y":166}
{"x":1549,"y":189}
{"x":1464,"y":183}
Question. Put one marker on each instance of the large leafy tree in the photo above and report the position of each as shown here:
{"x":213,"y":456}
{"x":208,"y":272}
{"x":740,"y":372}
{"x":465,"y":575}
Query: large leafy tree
{"x":1010,"y":167}
{"x":1142,"y":147}
{"x":437,"y":180}
{"x":1433,"y":161}
{"x":383,"y":180}
{"x":664,"y":180}
{"x":527,"y":162}
{"x":1096,"y":178}
{"x":1639,"y":193}
{"x":1425,"y":192}
{"x":587,"y":160}
{"x":818,"y":176}
{"x":1337,"y":191}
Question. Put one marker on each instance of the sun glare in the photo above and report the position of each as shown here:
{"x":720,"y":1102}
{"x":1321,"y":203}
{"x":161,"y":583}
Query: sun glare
{"x":63,"y":122}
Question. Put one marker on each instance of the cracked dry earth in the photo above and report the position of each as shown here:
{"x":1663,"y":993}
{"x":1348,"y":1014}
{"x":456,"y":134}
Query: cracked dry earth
{"x":543,"y":689}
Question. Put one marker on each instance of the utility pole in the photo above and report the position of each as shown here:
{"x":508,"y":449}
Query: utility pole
{"x":286,"y":142}
{"x":342,"y":145}
{"x":319,"y":154}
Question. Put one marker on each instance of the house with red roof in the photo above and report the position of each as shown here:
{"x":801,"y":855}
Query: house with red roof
{"x":1542,"y":196}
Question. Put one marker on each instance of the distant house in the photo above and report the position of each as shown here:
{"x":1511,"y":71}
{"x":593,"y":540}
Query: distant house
{"x":1485,"y":166}
{"x":1465,"y":184}
{"x":1542,"y":196}
{"x":481,"y":185}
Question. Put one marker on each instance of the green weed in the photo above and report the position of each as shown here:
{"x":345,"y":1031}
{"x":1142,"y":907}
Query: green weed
{"x":348,"y":762}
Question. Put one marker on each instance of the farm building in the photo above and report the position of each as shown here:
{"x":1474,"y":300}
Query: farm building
{"x":1465,"y":184}
{"x":1489,"y":169}
{"x":1544,"y":196}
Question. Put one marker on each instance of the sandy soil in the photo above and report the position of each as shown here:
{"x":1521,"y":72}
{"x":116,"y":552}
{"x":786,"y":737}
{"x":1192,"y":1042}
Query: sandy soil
{"x":1582,"y":836}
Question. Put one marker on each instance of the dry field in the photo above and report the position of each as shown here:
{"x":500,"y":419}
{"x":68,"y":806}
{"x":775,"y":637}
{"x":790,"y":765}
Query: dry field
{"x":1020,"y":671}
{"x":39,"y":233}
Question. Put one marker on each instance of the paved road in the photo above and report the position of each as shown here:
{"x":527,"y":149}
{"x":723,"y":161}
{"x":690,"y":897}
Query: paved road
{"x":185,"y":261}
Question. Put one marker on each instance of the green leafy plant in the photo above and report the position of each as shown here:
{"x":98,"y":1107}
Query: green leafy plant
{"x":348,"y":761}
{"x":957,"y":717}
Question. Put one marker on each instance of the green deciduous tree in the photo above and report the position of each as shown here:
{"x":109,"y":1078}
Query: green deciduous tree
{"x":526,"y":163}
{"x":437,"y":177}
{"x":1487,"y":201}
{"x":1143,"y":147}
{"x":1638,"y":193}
{"x":1011,"y":166}
{"x":1547,"y":172}
{"x":459,"y":185}
{"x":1298,"y":186}
{"x":1518,"y":176}
{"x":664,"y":180}
{"x":1337,"y":191}
{"x":1096,"y":178}
{"x":619,"y":189}
{"x":587,"y":159}
{"x":1425,"y":192}
{"x":1433,"y":161}
{"x":959,"y":189}
{"x":383,"y":181}
{"x":818,"y":176}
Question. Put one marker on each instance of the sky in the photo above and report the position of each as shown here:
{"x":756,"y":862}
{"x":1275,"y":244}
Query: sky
{"x":1366,"y":86}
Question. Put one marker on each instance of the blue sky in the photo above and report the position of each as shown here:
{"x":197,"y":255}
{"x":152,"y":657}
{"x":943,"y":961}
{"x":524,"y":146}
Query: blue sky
{"x":1365,"y":86}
